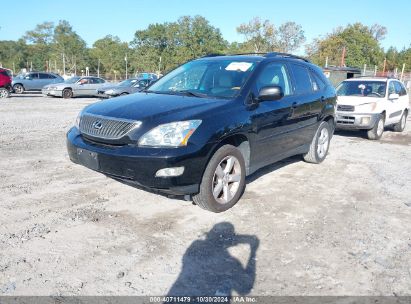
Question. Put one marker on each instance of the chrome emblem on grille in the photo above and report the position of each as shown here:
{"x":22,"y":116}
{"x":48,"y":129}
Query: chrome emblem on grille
{"x":97,"y":125}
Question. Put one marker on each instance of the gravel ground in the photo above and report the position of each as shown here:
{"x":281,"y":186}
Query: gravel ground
{"x":339,"y":228}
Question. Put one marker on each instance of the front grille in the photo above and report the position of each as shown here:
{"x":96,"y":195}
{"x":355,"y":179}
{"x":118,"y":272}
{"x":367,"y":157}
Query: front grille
{"x":346,"y":120}
{"x":106,"y":127}
{"x":345,"y":108}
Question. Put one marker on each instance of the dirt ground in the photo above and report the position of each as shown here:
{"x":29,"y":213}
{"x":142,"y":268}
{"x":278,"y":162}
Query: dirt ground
{"x":339,"y":228}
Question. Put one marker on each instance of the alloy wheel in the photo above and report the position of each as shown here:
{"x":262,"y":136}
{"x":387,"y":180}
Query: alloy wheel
{"x":226,"y":180}
{"x":323,"y":142}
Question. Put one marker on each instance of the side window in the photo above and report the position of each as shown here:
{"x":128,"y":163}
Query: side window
{"x":43,"y":76}
{"x":34,"y":76}
{"x":317,"y":83}
{"x":391,"y":88}
{"x":400,"y":89}
{"x":98,"y":80}
{"x":274,"y":74}
{"x":302,"y":79}
{"x":50,"y":76}
{"x":403,"y":89}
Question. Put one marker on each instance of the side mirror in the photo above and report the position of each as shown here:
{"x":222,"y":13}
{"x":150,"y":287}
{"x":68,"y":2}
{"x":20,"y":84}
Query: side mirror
{"x":393,"y":96}
{"x":270,"y":93}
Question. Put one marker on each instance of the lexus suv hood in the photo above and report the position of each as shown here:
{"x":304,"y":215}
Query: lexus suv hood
{"x":145,"y":106}
{"x":356,"y":100}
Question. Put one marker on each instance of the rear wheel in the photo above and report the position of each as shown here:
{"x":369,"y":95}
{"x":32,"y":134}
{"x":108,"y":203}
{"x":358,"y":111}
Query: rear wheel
{"x":320,"y":144}
{"x":223,"y":181}
{"x":67,"y":93}
{"x":4,"y":93}
{"x":376,"y":132}
{"x":18,"y":88}
{"x":400,"y":126}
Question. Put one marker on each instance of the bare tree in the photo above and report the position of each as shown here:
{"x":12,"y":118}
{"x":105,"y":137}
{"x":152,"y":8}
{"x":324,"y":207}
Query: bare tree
{"x":290,"y":37}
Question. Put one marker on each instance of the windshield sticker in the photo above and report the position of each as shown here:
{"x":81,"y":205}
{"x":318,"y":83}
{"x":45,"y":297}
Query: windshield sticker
{"x":238,"y":66}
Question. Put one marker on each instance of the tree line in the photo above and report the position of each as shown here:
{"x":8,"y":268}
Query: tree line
{"x":162,"y":46}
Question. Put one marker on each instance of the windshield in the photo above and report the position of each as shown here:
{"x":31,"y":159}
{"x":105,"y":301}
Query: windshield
{"x":206,"y":78}
{"x":127,"y":83}
{"x":72,"y":79}
{"x":367,"y":88}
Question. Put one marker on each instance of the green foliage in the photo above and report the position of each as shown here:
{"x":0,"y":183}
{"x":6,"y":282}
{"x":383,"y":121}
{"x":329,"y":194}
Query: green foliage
{"x":111,"y":52}
{"x":263,"y":36}
{"x":360,"y":42}
{"x":162,"y":47}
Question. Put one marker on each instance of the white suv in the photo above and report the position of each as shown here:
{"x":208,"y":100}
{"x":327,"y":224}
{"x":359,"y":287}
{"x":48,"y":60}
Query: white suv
{"x":371,"y":104}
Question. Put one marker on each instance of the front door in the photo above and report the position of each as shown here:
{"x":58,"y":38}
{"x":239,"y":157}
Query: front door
{"x":271,"y":120}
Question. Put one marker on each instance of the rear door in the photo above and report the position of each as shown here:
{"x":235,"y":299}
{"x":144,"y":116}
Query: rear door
{"x":308,"y":102}
{"x":44,"y":79}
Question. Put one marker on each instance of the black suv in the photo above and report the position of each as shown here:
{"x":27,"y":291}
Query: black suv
{"x":202,"y":128}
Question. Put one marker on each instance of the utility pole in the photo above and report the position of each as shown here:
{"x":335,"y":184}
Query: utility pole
{"x":365,"y":69}
{"x":125,"y":59}
{"x":402,"y":71}
{"x":326,"y":62}
{"x":98,"y":68}
{"x":64,"y":65}
{"x":375,"y":71}
{"x":342,"y":64}
{"x":383,"y":69}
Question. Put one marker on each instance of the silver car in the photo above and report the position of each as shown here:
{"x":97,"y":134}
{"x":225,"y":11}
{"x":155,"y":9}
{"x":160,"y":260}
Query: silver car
{"x":75,"y":86}
{"x":34,"y":81}
{"x":125,"y":87}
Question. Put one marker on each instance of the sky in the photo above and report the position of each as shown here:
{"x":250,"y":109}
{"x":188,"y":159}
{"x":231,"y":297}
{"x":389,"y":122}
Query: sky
{"x":93,"y":19}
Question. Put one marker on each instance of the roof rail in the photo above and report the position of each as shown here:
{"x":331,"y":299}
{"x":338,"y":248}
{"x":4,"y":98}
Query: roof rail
{"x":372,"y":76}
{"x":213,"y":55}
{"x":264,"y":54}
{"x":286,"y":55}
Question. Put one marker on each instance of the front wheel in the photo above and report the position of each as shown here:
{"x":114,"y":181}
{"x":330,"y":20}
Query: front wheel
{"x":18,"y":88}
{"x":376,"y":132}
{"x":223,"y":181}
{"x":67,"y":93}
{"x":400,"y":126}
{"x":320,"y":144}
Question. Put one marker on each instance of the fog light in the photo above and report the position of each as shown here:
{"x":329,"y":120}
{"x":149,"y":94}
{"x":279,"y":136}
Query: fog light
{"x":365,"y":120}
{"x":166,"y":172}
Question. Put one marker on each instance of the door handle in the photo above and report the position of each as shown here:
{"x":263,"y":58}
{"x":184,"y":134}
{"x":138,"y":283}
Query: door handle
{"x":322,"y":99}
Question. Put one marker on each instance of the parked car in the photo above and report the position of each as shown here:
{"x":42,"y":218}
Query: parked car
{"x":371,"y":104}
{"x":74,"y":87}
{"x":125,"y":87}
{"x":5,"y":83}
{"x":199,"y":130}
{"x":34,"y":81}
{"x":147,"y":75}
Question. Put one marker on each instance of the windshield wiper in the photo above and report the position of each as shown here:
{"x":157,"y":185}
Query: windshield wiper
{"x":192,"y":93}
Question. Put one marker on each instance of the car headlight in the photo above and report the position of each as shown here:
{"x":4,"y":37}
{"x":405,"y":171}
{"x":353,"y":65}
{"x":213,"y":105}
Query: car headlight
{"x":366,"y":107}
{"x":175,"y":134}
{"x":109,"y":92}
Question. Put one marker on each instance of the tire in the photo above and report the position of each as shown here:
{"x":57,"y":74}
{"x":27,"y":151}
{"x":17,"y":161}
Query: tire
{"x":376,"y":132}
{"x":320,"y":144}
{"x":18,"y":88}
{"x":4,"y":93}
{"x":226,"y":192}
{"x":67,"y":93}
{"x":400,"y":126}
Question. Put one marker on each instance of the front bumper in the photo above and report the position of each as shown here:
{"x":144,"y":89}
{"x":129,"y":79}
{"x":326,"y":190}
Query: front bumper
{"x":138,"y":166}
{"x":356,"y":121}
{"x":49,"y":92}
